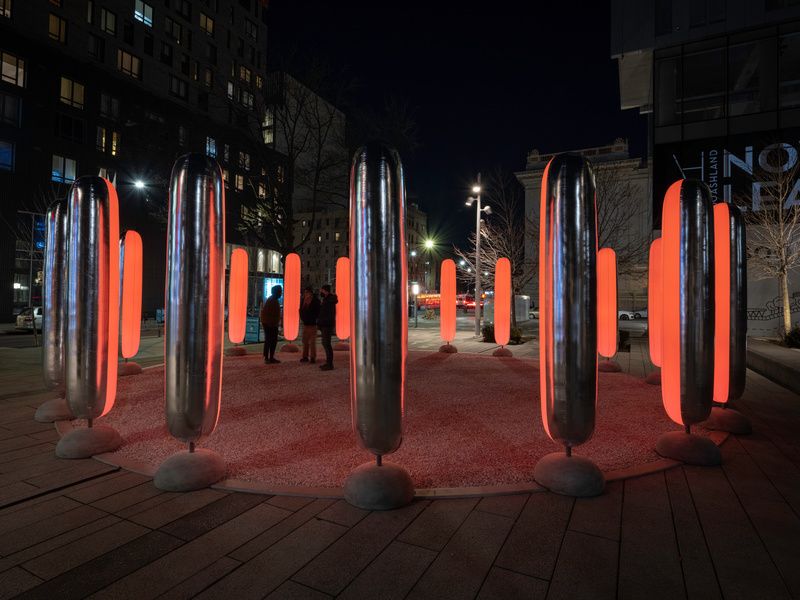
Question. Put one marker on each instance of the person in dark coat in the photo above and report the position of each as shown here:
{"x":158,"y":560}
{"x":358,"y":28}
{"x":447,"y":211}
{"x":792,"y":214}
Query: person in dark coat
{"x":309,"y":311}
{"x":270,"y":319}
{"x":326,"y":321}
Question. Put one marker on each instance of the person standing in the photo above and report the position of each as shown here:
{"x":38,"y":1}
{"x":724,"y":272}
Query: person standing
{"x":270,"y":319}
{"x":327,"y":323}
{"x":309,"y":312}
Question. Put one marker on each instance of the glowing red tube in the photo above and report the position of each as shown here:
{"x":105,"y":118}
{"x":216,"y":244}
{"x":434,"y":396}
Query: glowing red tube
{"x":447,"y":302}
{"x":291,"y":297}
{"x":237,"y":296}
{"x":606,"y":302}
{"x":502,"y":301}
{"x":654,"y":302}
{"x":545,"y":280}
{"x":722,"y":304}
{"x":131,"y":305}
{"x":343,"y":294}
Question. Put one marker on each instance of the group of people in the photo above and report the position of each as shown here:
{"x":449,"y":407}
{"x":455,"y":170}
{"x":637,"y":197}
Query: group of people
{"x":316,"y":313}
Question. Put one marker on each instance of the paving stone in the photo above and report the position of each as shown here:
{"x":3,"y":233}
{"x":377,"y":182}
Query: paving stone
{"x":391,"y":575}
{"x":461,"y":567}
{"x":698,"y":570}
{"x":83,"y":550}
{"x":264,"y":573}
{"x":189,"y":588}
{"x":292,"y":503}
{"x":70,"y":474}
{"x":438,"y":522}
{"x":15,"y":581}
{"x":176,"y":508}
{"x":586,"y":568}
{"x":100,"y":572}
{"x":41,"y":530}
{"x":284,"y":527}
{"x":600,"y":515}
{"x":290,"y":590}
{"x":128,"y":497}
{"x":212,"y":515}
{"x":343,"y":513}
{"x":648,"y":543}
{"x":193,"y":557}
{"x":10,"y":521}
{"x":505,"y":506}
{"x":331,"y":571}
{"x":533,"y":544}
{"x":38,"y":448}
{"x":106,"y":487}
{"x":502,"y":584}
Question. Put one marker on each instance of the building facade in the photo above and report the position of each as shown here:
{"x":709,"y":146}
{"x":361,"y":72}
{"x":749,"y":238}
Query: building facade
{"x":121,"y":88}
{"x":720,"y":84}
{"x":624,"y":204}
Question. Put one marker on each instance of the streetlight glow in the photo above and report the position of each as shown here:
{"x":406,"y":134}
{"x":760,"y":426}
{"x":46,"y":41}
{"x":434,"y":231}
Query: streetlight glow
{"x":415,"y":289}
{"x":461,"y":263}
{"x":138,"y":184}
{"x":429,"y":244}
{"x":413,"y":253}
{"x":476,"y":189}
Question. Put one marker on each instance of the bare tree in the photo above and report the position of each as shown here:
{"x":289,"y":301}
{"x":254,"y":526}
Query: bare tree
{"x":503,"y":234}
{"x":773,"y":226}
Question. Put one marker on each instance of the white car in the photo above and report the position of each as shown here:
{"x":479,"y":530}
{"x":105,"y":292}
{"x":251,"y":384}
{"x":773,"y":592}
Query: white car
{"x":625,"y":315}
{"x":640,"y":314}
{"x":25,"y":319}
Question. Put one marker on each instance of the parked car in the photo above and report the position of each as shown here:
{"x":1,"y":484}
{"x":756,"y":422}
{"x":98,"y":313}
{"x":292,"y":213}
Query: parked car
{"x":625,"y":315}
{"x":640,"y":314}
{"x":25,"y":319}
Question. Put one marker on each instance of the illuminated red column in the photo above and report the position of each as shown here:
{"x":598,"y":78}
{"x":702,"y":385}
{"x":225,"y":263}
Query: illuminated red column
{"x":502,"y":306}
{"x":130,"y":301}
{"x":237,"y":298}
{"x":730,"y":319}
{"x":291,"y":301}
{"x":607,"y":309}
{"x":343,"y":306}
{"x":447,"y":305}
{"x":687,"y":344}
{"x":654,"y":309}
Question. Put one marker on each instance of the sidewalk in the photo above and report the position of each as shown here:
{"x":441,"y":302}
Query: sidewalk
{"x":777,"y":363}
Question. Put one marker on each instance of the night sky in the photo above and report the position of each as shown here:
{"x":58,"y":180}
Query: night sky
{"x":486,"y":85}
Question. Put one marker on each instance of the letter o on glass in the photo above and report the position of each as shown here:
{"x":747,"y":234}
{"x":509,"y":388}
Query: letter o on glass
{"x":568,"y":300}
{"x":195,"y":297}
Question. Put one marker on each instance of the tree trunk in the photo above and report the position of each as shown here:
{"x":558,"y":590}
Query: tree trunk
{"x":787,"y":309}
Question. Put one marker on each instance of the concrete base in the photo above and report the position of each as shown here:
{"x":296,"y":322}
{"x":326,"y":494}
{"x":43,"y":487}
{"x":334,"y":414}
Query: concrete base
{"x":235,"y":351}
{"x":129,"y":368}
{"x":608,"y":366}
{"x":342,"y":346}
{"x":290,"y":348}
{"x":379,"y":488}
{"x":187,"y":471}
{"x":654,"y":378}
{"x":730,"y":420}
{"x":569,"y":475}
{"x":502,"y":353}
{"x":448,"y":349}
{"x":53,"y":410}
{"x":85,"y":442}
{"x":689,"y":448}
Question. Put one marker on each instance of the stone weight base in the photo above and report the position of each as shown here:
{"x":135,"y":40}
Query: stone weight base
{"x":689,"y":448}
{"x":187,"y":471}
{"x":129,"y":368}
{"x":85,"y":442}
{"x":608,"y":366}
{"x":730,"y":420}
{"x":654,"y":378}
{"x":342,"y":346}
{"x":53,"y":410}
{"x":569,"y":475}
{"x":290,"y":348}
{"x":502,"y":353}
{"x":448,"y":349}
{"x":235,"y":351}
{"x":379,"y":488}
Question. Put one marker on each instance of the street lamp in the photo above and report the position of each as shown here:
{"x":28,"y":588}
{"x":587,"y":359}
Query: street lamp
{"x":476,"y":189}
{"x":138,"y":184}
{"x":429,"y":244}
{"x":415,"y":293}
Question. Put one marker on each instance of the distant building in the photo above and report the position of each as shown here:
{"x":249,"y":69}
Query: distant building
{"x":120,"y":88}
{"x":720,"y":85}
{"x":626,"y":181}
{"x":329,"y":239}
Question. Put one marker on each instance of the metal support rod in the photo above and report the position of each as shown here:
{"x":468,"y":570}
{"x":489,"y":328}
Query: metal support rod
{"x":478,"y":261}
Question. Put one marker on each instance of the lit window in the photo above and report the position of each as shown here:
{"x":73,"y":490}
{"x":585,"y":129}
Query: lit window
{"x":9,"y":109}
{"x":231,"y":90}
{"x":57,"y":29}
{"x":239,"y":184}
{"x":5,"y":8}
{"x":247,"y":99}
{"x":208,"y":77}
{"x":114,"y":143}
{"x":259,"y":82}
{"x":207,"y":24}
{"x":6,"y":156}
{"x":108,"y":21}
{"x":267,"y":127}
{"x":143,"y":12}
{"x":244,"y":160}
{"x":211,"y":147}
{"x":226,"y":177}
{"x":337,"y":236}
{"x":89,"y":11}
{"x":109,"y":106}
{"x":100,"y":141}
{"x":71,"y":93}
{"x":244,"y":73}
{"x":64,"y":169}
{"x":262,"y":191}
{"x":13,"y":69}
{"x":178,"y":87}
{"x":129,"y":64}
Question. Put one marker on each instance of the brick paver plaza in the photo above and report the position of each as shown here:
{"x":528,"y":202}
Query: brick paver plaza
{"x":84,"y":529}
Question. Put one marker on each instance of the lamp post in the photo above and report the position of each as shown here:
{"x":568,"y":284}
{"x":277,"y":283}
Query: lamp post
{"x":415,"y":293}
{"x":476,"y":189}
